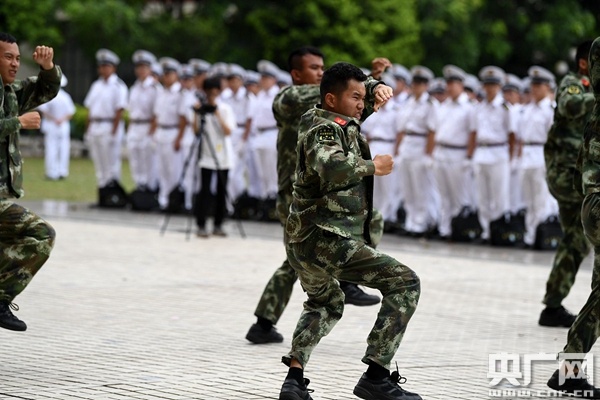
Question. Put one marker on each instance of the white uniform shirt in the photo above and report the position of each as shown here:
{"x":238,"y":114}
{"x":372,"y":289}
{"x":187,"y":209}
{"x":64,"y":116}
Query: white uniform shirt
{"x":187,"y":102}
{"x":492,"y":123}
{"x":216,"y":139}
{"x":241,"y":103}
{"x":452,"y":124}
{"x":380,"y":125}
{"x":416,"y":117}
{"x":58,"y":108}
{"x":104,"y":99}
{"x":262,"y":109}
{"x":141,"y":99}
{"x":166,"y":107}
{"x":533,"y":131}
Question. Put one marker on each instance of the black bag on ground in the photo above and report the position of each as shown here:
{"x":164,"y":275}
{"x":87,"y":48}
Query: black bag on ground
{"x":176,"y":200}
{"x":112,"y":195}
{"x":245,"y":207}
{"x":465,"y":226}
{"x":267,"y":211}
{"x":143,"y":200}
{"x":506,"y":231}
{"x":548,"y":234}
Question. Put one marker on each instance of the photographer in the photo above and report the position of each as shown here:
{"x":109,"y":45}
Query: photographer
{"x":216,"y":122}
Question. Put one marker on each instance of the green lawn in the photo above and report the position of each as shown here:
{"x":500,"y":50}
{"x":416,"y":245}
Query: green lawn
{"x":80,"y":186}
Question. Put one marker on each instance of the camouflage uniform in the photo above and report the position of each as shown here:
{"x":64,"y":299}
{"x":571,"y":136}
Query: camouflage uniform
{"x":329,"y":238}
{"x":25,"y":239}
{"x":289,"y":105}
{"x":586,"y":329}
{"x":560,"y":153}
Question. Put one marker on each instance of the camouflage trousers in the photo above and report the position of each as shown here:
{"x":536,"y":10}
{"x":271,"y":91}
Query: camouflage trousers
{"x":586,"y":329}
{"x":325,"y":258}
{"x":278,"y":290}
{"x":570,"y":253}
{"x":25,"y":244}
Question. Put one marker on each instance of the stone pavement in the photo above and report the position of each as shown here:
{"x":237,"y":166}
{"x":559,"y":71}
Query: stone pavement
{"x":121,"y":312}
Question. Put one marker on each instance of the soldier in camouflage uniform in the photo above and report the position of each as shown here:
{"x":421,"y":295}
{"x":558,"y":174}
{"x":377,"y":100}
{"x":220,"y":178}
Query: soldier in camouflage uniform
{"x":585,"y":330}
{"x":329,"y":237}
{"x":560,"y":152}
{"x":25,"y":239}
{"x":306,"y":67}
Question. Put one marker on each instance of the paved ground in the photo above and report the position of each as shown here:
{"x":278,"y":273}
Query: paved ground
{"x":121,"y":312}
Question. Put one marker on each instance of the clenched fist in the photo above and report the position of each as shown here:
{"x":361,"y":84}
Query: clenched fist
{"x":30,"y":120}
{"x":44,"y":55}
{"x":383,"y":164}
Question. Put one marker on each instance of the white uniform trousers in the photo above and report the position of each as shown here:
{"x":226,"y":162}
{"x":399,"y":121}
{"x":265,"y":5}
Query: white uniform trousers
{"x":237,"y":181}
{"x":142,"y":155}
{"x":384,"y":187}
{"x":452,"y":179}
{"x":191,"y":178}
{"x":170,"y":163}
{"x":57,"y":145}
{"x":492,"y":183}
{"x":516,"y":186}
{"x":421,"y":200}
{"x":264,"y":153}
{"x":538,"y":201}
{"x":101,"y":144}
{"x":117,"y":151}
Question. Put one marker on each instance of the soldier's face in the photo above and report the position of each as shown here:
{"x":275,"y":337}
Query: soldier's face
{"x":311,"y":72}
{"x":106,"y":70}
{"x":350,"y":102}
{"x":142,"y":71}
{"x":10,"y":61}
{"x":454,"y":88}
{"x":539,"y":91}
{"x":511,"y":96}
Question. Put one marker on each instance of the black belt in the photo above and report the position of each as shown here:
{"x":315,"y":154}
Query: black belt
{"x":533,"y":143}
{"x":168,"y":126}
{"x":382,"y":140}
{"x":241,"y":125}
{"x":491,"y":144}
{"x":102,"y":119}
{"x":140,"y":121}
{"x":416,"y":134}
{"x":268,"y":128}
{"x":451,"y":146}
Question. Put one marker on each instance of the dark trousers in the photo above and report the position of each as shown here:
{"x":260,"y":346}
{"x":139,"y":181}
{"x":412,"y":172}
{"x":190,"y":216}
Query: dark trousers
{"x":203,"y":198}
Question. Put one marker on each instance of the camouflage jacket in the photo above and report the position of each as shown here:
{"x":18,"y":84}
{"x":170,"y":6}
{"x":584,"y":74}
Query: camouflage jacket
{"x":334,"y":178}
{"x":289,"y":105}
{"x":17,"y":99}
{"x":589,"y":157}
{"x":574,"y":101}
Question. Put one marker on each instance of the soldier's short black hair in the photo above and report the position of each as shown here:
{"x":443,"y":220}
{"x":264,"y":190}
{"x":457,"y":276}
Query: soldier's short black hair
{"x":583,"y":50}
{"x":7,"y":38}
{"x":212,"y":83}
{"x":335,"y":78}
{"x":295,"y":57}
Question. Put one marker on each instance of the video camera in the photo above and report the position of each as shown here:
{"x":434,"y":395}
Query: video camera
{"x":205,"y":109}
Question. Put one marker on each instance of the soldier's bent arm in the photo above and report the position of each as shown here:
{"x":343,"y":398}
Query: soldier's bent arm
{"x":37,"y":90}
{"x":325,"y":154}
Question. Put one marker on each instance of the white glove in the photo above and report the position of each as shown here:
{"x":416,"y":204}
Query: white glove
{"x":467,"y":163}
{"x":428,"y":162}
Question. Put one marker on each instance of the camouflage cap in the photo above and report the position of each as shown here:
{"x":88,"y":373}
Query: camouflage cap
{"x":453,"y":73}
{"x":143,"y":57}
{"x":539,"y":74}
{"x":107,"y":57}
{"x":492,"y":74}
{"x":169,"y":64}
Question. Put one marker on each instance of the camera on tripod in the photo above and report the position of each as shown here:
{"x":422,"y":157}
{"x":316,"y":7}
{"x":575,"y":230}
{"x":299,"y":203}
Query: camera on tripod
{"x":205,"y":109}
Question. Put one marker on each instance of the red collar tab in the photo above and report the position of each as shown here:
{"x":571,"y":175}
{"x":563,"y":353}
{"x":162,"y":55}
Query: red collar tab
{"x":340,"y":121}
{"x":585,"y":82}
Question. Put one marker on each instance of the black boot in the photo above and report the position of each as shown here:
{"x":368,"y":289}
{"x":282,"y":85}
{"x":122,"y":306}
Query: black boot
{"x":556,"y":317}
{"x":383,"y":389}
{"x":356,"y":296}
{"x":8,"y":319}
{"x":579,"y":388}
{"x":258,"y":335}
{"x":293,"y":390}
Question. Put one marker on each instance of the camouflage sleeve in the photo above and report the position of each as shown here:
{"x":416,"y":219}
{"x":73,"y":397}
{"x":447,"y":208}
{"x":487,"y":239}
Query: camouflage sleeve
{"x":370,"y":84}
{"x":39,"y":89}
{"x":295,"y":100}
{"x":573,"y":101}
{"x":325,"y":154}
{"x":8,"y":126}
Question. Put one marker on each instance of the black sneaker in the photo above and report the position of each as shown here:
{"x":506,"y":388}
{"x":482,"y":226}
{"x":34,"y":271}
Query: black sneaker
{"x":8,"y":319}
{"x":579,"y":388}
{"x":384,"y":389}
{"x":357,"y":297}
{"x":557,"y":317}
{"x":292,"y":390}
{"x":258,"y":335}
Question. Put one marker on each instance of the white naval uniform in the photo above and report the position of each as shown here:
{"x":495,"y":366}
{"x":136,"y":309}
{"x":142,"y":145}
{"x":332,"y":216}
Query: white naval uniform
{"x":452,"y":127}
{"x":263,"y":143}
{"x":516,"y":190}
{"x":189,"y":146}
{"x":140,"y":146}
{"x":57,"y":137}
{"x":421,"y":200}
{"x":103,"y":100}
{"x":491,"y":160}
{"x":170,"y":162}
{"x":241,"y":103}
{"x":381,"y":135}
{"x":533,"y":130}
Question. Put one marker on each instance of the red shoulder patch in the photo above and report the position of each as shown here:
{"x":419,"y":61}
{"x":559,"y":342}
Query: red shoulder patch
{"x":340,"y":121}
{"x":585,"y":82}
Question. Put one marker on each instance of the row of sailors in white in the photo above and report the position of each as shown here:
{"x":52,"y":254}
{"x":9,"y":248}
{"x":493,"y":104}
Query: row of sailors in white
{"x":160,"y":134}
{"x":457,"y":153}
